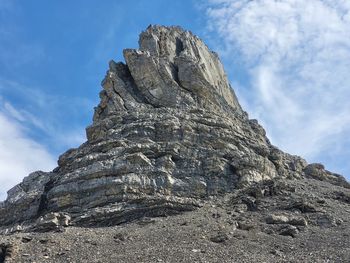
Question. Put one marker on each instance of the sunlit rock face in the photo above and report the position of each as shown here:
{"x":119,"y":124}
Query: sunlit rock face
{"x":168,"y":133}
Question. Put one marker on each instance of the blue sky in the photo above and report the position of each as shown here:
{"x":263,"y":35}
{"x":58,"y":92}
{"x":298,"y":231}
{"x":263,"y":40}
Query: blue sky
{"x":287,"y":60}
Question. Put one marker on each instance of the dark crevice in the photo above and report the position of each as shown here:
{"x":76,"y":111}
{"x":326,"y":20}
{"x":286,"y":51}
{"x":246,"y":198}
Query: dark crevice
{"x":175,"y":73}
{"x":233,"y":169}
{"x":159,"y":47}
{"x":232,"y":176}
{"x":2,"y":253}
{"x":125,"y":75}
{"x":129,"y":81}
{"x":175,"y":159}
{"x":43,"y":199}
{"x":6,"y":251}
{"x":179,"y":47}
{"x":120,"y":96}
{"x":139,"y":213}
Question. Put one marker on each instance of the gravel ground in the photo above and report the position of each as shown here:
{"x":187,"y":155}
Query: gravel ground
{"x":225,"y":229}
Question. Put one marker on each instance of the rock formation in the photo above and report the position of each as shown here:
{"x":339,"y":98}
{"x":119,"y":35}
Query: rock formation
{"x":168,"y":134}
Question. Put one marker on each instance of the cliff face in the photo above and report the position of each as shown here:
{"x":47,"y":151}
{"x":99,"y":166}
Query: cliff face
{"x":168,"y":133}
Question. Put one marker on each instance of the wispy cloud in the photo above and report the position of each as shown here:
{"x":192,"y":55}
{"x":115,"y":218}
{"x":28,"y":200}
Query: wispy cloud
{"x":19,"y":155}
{"x":45,"y":115}
{"x":35,"y":124}
{"x":34,"y":132}
{"x":297,"y":54}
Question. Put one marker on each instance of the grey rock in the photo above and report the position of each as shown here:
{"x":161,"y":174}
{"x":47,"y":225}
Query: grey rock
{"x":173,"y":238}
{"x":277,"y":219}
{"x":243,"y":225}
{"x":120,"y":237}
{"x":27,"y":239}
{"x":168,"y":134}
{"x":303,"y":206}
{"x":342,"y":196}
{"x":219,"y":237}
{"x":289,"y":230}
{"x":318,"y":171}
{"x":24,"y":200}
{"x":52,"y":222}
{"x":286,"y":219}
{"x":277,"y":253}
{"x":326,"y":220}
{"x":7,"y":252}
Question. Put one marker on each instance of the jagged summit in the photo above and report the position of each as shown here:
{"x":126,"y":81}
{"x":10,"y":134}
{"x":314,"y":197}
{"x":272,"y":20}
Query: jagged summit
{"x":180,"y":56}
{"x":168,"y":134}
{"x":171,"y":68}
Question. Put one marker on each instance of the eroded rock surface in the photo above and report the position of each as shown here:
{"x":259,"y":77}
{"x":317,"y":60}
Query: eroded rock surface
{"x":225,"y":229}
{"x":168,"y":133}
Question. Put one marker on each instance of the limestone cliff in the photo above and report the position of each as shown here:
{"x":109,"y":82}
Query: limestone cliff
{"x":168,"y":133}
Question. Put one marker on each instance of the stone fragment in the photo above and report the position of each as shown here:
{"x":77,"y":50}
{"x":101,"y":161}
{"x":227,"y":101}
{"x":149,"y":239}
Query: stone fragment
{"x":119,"y":237}
{"x":289,"y":230}
{"x":318,"y":171}
{"x":52,"y":222}
{"x":284,"y":219}
{"x":342,"y":196}
{"x":27,"y":239}
{"x":244,"y":225}
{"x":277,"y":219}
{"x":303,"y":206}
{"x":277,"y":252}
{"x":326,"y":220}
{"x":219,"y":237}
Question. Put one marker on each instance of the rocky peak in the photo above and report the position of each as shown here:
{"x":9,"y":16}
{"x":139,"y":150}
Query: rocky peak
{"x":171,"y":68}
{"x":167,"y":135}
{"x":189,"y":61}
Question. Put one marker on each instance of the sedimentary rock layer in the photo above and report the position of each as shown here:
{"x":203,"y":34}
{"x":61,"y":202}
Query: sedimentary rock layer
{"x":168,"y":133}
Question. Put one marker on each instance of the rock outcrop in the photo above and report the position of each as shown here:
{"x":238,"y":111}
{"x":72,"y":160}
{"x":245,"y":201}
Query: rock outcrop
{"x":168,"y":133}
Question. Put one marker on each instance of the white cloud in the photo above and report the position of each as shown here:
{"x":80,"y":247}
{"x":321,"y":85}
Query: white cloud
{"x":57,"y":118}
{"x":19,"y":155}
{"x":297,"y":53}
{"x":40,"y":116}
{"x":35,"y":127}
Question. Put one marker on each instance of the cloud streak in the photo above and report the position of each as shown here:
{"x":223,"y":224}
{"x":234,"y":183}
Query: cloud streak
{"x":297,"y":54}
{"x":19,"y":155}
{"x":44,"y":115}
{"x":31,"y":135}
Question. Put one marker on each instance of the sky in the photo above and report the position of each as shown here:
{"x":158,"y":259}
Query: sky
{"x":288,"y":62}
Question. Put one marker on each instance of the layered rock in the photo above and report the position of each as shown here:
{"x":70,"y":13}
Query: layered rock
{"x":168,"y":133}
